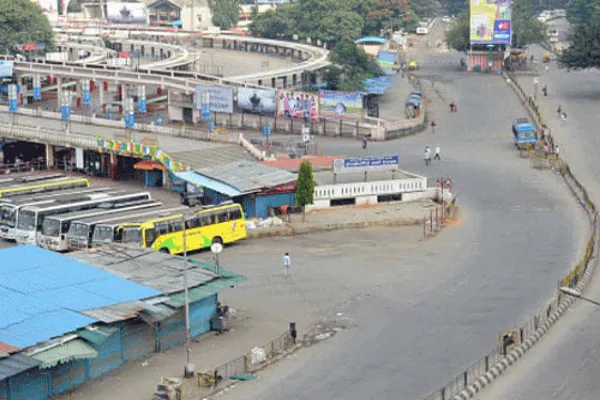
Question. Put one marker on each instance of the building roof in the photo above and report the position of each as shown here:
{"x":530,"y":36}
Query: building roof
{"x":15,"y":364}
{"x":370,"y":39}
{"x":248,"y":176}
{"x":293,"y":164}
{"x":72,"y":350}
{"x":202,"y":181}
{"x":43,"y":294}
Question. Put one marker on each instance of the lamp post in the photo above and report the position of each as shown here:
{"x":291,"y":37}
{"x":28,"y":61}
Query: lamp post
{"x":536,"y":80}
{"x":577,"y":294}
{"x":490,"y":56}
{"x":189,"y":367}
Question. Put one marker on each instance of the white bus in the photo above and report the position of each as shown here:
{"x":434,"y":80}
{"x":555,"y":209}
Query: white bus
{"x":126,"y":229}
{"x":81,"y":230}
{"x":55,"y":229}
{"x":553,"y":35}
{"x":10,"y":207}
{"x":31,"y":217}
{"x":27,"y":178}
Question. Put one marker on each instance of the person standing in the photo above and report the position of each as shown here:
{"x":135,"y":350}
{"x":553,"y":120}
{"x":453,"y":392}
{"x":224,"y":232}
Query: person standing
{"x":437,"y":153}
{"x":427,"y":155}
{"x":433,"y":125}
{"x":556,"y":151}
{"x":287,"y":261}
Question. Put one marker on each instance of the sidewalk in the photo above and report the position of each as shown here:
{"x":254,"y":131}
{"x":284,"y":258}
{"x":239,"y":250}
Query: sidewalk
{"x":351,"y":217}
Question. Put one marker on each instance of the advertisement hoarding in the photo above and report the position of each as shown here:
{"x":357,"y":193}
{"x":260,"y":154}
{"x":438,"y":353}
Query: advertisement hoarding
{"x":363,"y":164}
{"x":6,"y":69}
{"x":256,"y":101}
{"x":490,"y":21}
{"x":340,"y":104}
{"x":47,"y":6}
{"x":220,"y":98}
{"x":127,"y":13}
{"x":292,"y":104}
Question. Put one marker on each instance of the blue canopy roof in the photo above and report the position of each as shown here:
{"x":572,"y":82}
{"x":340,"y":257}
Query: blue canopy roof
{"x":203,"y":181}
{"x":176,"y":23}
{"x":387,"y":56}
{"x":371,"y":39}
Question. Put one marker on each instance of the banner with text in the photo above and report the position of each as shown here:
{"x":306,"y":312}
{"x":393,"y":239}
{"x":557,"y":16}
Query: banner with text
{"x":490,"y":21}
{"x":297,"y":105}
{"x":363,"y":164}
{"x":256,"y":101}
{"x":340,"y":104}
{"x":220,"y":98}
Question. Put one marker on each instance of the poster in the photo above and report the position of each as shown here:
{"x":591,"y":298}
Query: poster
{"x":256,"y":101}
{"x":292,"y":104}
{"x":127,"y":13}
{"x":490,"y":21}
{"x":220,"y":98}
{"x":340,"y":104}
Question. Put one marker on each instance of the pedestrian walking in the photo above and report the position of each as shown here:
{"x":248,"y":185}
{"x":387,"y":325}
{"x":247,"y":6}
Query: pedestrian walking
{"x":563,"y":117}
{"x":287,"y":261}
{"x":556,"y":151}
{"x":364,"y":142}
{"x":545,"y":90}
{"x":427,"y":155}
{"x":559,"y":110}
{"x":433,"y":125}
{"x":437,"y":153}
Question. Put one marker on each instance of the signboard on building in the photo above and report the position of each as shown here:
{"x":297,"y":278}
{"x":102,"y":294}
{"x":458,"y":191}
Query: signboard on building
{"x":220,"y":98}
{"x":256,"y":101}
{"x":340,"y":104}
{"x":127,"y":13}
{"x":118,"y":62}
{"x":6,"y":69}
{"x":363,"y":164}
{"x":292,"y":104}
{"x":490,"y":21}
{"x":124,"y":54}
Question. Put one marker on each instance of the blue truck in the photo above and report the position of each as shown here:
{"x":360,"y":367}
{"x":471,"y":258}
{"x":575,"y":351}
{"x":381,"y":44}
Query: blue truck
{"x":524,"y":133}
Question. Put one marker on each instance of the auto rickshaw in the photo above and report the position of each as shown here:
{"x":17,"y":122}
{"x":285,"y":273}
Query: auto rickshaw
{"x":412,"y":66}
{"x":546,"y":58}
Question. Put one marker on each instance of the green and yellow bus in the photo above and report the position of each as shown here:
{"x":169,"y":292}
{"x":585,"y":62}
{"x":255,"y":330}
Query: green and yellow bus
{"x":223,"y":224}
{"x":44,"y":186}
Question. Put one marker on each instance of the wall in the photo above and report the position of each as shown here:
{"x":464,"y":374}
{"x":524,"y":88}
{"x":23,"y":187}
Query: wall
{"x":482,"y":59}
{"x":264,"y":202}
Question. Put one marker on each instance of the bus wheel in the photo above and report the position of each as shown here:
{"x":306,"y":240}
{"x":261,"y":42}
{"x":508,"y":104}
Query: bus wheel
{"x":217,"y":240}
{"x":164,"y":250}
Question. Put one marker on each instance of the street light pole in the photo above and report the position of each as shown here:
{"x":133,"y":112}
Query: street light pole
{"x":189,"y":367}
{"x":577,"y":294}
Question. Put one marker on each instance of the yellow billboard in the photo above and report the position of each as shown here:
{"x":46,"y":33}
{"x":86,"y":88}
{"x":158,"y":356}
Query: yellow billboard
{"x":490,"y":21}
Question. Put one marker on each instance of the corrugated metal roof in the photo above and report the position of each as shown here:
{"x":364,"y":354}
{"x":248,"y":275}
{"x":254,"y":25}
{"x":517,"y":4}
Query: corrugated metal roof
{"x":148,"y":267}
{"x":42,"y":294}
{"x":96,"y":334}
{"x":248,"y":176}
{"x":7,"y":349}
{"x":200,"y":292}
{"x":16,"y":364}
{"x":72,"y":350}
{"x":202,"y":181}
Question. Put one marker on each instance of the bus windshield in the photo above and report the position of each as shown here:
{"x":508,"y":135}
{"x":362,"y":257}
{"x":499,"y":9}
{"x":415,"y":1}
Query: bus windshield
{"x":131,"y":234}
{"x":79,"y":230}
{"x":50,"y":227}
{"x":26,"y":220}
{"x":7,"y":215}
{"x":526,"y":134}
{"x":103,"y":233}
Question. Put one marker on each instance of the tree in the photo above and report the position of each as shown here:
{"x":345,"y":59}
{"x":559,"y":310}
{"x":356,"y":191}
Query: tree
{"x":277,"y":23}
{"x":22,"y":21}
{"x":332,"y":76}
{"x":456,"y":7}
{"x":225,"y":13}
{"x":582,"y":11}
{"x":584,"y":48}
{"x":354,"y":64}
{"x":458,"y":36}
{"x":526,"y":29}
{"x":305,"y":187}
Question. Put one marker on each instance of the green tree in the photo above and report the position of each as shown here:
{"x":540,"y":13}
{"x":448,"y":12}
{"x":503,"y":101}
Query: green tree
{"x":526,"y":29}
{"x":225,"y":13}
{"x":456,"y":7}
{"x":305,"y":187}
{"x":22,"y":21}
{"x":275,"y":23}
{"x":423,"y":8}
{"x":353,"y":65}
{"x":584,"y":48}
{"x":458,"y":36}
{"x":582,"y":11}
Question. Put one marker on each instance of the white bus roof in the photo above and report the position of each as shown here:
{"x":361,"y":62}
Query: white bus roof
{"x":145,"y":206}
{"x":141,"y":217}
{"x":94,"y":198}
{"x":28,"y":178}
{"x":50,"y":196}
{"x":103,"y":206}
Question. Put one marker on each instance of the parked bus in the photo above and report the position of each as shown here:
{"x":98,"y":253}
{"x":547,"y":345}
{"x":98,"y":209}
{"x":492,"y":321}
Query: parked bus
{"x":81,"y":230}
{"x":10,"y":206}
{"x":44,"y":186}
{"x":214,"y":224}
{"x":27,"y":178}
{"x":31,"y":218}
{"x":126,"y":229}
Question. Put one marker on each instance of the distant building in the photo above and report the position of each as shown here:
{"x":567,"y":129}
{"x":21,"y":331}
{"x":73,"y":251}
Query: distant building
{"x":68,"y":319}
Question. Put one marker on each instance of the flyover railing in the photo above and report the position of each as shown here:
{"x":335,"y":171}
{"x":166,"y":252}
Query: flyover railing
{"x":515,"y":341}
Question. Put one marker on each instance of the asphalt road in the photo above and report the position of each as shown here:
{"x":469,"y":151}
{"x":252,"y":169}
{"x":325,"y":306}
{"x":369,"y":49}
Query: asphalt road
{"x":566,"y":364}
{"x":498,"y":267}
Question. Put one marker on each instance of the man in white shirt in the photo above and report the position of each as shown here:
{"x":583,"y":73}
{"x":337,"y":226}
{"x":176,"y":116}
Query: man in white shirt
{"x":287,"y":261}
{"x":437,"y":153}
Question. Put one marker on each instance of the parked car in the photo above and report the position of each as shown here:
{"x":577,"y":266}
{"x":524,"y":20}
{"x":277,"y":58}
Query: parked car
{"x":445,"y":18}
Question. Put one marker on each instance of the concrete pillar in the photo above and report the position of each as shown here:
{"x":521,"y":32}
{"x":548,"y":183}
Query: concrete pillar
{"x":273,"y":82}
{"x":294,"y":80}
{"x":123,"y":97}
{"x":50,"y":155}
{"x":101,"y":94}
{"x":58,"y":92}
{"x":284,"y":79}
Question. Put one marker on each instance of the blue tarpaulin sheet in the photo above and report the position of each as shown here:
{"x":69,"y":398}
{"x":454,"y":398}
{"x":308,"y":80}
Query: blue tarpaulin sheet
{"x":387,"y":56}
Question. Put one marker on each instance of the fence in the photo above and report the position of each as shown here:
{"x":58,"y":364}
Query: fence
{"x":207,"y":382}
{"x":576,"y":278}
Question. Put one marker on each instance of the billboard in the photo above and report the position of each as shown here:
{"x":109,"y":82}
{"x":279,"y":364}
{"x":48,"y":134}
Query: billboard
{"x":490,"y":21}
{"x":127,"y":13}
{"x":6,"y":69}
{"x":363,"y":164}
{"x":341,"y":104}
{"x":47,"y":6}
{"x":256,"y":101}
{"x":292,"y":104}
{"x":220,"y":98}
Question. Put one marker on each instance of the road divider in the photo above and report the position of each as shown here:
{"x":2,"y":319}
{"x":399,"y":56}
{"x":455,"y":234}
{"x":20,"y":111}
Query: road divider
{"x":516,"y":341}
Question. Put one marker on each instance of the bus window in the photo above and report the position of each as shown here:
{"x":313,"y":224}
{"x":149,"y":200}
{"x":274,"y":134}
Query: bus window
{"x":235,"y":213}
{"x":175,"y":226}
{"x":150,"y":236}
{"x":162,"y":228}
